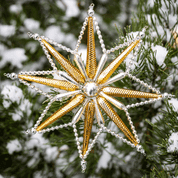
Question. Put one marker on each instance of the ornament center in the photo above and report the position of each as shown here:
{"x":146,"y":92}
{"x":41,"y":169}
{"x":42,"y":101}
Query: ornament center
{"x":91,"y":89}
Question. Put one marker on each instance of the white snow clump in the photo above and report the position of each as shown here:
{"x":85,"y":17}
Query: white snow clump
{"x":7,"y":30}
{"x":14,"y":56}
{"x":13,"y":146}
{"x":173,"y":142}
{"x":161,"y":53}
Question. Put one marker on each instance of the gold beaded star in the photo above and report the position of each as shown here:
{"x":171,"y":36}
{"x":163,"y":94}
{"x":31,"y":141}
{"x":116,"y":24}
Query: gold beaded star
{"x":89,"y":87}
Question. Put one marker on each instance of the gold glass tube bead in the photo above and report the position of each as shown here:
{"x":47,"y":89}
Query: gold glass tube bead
{"x":121,"y":92}
{"x":91,"y":54}
{"x":74,"y":102}
{"x":89,"y":115}
{"x":68,"y":67}
{"x":109,"y":70}
{"x":61,"y":84}
{"x":107,"y":108}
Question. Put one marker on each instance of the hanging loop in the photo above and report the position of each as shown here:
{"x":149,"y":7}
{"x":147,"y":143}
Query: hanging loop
{"x":91,"y":11}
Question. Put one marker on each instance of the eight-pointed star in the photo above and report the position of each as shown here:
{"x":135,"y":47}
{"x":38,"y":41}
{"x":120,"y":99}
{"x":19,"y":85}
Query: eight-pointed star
{"x":89,"y":86}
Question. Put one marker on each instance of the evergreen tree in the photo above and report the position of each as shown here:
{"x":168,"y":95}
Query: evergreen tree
{"x":54,"y":154}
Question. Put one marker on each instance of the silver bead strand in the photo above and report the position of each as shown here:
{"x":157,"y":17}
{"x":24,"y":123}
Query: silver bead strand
{"x":35,"y":36}
{"x":44,"y":113}
{"x":12,"y":76}
{"x":58,"y":45}
{"x":128,"y":42}
{"x":134,"y":55}
{"x":81,"y":34}
{"x":99,"y":35}
{"x":132,"y":126}
{"x":119,"y":46}
{"x":140,"y":149}
{"x":91,"y":145}
{"x":143,"y":83}
{"x":48,"y":56}
{"x":55,"y":127}
{"x":144,"y":102}
{"x":37,"y":72}
{"x":83,"y":165}
{"x":77,"y":141}
{"x":118,"y":136}
{"x":34,"y":87}
{"x":38,"y":37}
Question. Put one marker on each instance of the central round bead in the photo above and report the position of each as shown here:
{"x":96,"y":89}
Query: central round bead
{"x":91,"y":89}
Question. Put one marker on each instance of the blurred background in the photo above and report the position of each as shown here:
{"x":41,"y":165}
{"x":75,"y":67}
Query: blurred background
{"x":54,"y":154}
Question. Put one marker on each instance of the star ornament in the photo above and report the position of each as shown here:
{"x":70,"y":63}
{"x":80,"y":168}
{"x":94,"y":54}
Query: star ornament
{"x":89,"y":88}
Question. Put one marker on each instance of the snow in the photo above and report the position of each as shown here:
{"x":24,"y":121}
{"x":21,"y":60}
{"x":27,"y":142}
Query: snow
{"x":42,"y":87}
{"x":15,"y":8}
{"x":25,"y":106}
{"x":160,"y":30}
{"x":174,"y":103}
{"x":2,"y":48}
{"x":35,"y":65}
{"x":73,"y":157}
{"x":156,"y":118}
{"x":106,"y":156}
{"x":16,"y":116}
{"x":7,"y":30}
{"x":169,"y":81}
{"x":13,"y":146}
{"x":175,"y":60}
{"x":64,"y":147}
{"x":38,"y":174}
{"x":11,"y":94}
{"x":151,"y":3}
{"x":123,"y":15}
{"x":51,"y":153}
{"x":112,"y":126}
{"x":14,"y":56}
{"x":173,"y":142}
{"x":157,"y":104}
{"x":31,"y":24}
{"x":32,"y":46}
{"x":72,"y":9}
{"x":129,"y":157}
{"x":161,"y":53}
{"x":33,"y":159}
{"x":61,"y":162}
{"x":172,"y":17}
{"x":60,"y":5}
{"x":172,"y":20}
{"x":128,"y":60}
{"x":70,"y":40}
{"x":58,"y":168}
{"x":37,"y":140}
{"x":54,"y":32}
